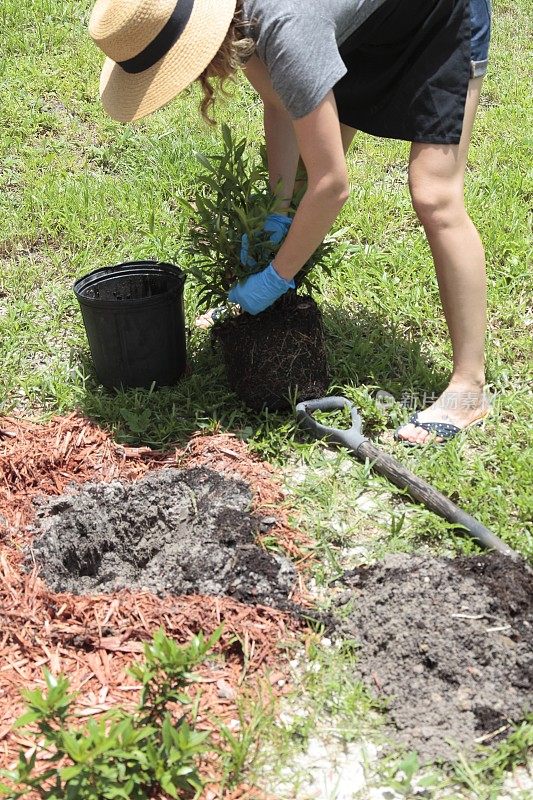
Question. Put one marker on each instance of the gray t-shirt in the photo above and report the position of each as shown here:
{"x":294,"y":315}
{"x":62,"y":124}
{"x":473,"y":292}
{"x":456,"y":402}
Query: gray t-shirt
{"x":298,"y":41}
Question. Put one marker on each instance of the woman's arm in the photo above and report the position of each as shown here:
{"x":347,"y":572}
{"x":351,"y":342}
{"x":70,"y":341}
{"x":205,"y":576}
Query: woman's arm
{"x":319,"y":140}
{"x":281,"y":144}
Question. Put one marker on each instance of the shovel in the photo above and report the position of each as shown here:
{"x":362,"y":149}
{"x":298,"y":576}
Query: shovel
{"x":384,"y":464}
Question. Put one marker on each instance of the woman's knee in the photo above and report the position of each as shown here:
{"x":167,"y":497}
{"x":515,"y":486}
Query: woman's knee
{"x":438,"y":204}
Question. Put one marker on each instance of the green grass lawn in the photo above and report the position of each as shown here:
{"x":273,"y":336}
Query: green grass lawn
{"x":79,"y":191}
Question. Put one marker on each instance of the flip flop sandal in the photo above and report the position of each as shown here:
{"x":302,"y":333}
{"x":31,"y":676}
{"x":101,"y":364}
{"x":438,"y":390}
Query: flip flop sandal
{"x":444,"y":430}
{"x":208,"y":319}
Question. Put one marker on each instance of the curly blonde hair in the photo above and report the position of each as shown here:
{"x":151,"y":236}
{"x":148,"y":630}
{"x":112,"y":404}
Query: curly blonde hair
{"x":232,"y":54}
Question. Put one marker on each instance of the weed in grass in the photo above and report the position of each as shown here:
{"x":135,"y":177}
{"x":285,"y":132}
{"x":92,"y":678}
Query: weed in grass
{"x":482,"y":777}
{"x":485,"y":776}
{"x":242,"y":744}
{"x":405,"y":780}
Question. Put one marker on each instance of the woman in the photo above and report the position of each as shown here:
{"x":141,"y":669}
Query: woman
{"x":407,"y":69}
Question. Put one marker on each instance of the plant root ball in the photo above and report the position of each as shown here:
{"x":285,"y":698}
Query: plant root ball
{"x":278,"y":356}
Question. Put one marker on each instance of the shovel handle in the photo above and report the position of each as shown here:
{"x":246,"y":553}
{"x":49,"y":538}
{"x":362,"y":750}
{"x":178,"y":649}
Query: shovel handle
{"x":422,"y":492}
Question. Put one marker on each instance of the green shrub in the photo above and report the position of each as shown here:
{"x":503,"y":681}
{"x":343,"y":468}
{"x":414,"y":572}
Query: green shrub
{"x":121,"y":755}
{"x":234,"y":198}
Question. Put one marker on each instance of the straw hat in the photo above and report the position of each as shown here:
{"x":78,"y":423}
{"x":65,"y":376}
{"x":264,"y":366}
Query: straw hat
{"x":155,"y":49}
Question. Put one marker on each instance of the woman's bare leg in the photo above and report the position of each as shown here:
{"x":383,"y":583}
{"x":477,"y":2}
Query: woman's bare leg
{"x":436,"y":180}
{"x":347,"y":135}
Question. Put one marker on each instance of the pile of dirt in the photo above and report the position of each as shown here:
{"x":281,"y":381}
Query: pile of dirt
{"x":173,"y":531}
{"x":450,"y":643}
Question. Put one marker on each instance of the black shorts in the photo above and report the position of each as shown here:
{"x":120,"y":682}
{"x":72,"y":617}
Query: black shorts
{"x":408,"y":71}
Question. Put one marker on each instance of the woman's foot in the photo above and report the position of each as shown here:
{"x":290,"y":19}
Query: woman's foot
{"x":460,"y":405}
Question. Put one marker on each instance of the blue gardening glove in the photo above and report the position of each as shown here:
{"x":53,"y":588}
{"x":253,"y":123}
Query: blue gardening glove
{"x":259,"y":291}
{"x":277,"y":225}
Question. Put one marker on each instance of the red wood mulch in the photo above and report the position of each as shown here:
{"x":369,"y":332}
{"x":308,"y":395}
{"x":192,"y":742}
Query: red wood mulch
{"x":93,"y":639}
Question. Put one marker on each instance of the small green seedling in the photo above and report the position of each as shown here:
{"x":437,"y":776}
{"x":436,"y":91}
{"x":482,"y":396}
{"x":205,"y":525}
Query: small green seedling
{"x":121,"y":755}
{"x":404,"y":779}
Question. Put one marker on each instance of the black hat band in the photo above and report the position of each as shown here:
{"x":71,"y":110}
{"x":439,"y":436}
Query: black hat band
{"x":164,"y":40}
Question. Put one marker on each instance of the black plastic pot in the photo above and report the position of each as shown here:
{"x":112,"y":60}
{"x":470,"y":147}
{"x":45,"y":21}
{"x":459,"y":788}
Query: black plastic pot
{"x":135,"y":323}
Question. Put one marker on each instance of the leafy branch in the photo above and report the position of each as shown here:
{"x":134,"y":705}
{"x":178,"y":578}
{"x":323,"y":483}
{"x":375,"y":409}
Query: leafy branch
{"x":233,"y":198}
{"x":121,"y":755}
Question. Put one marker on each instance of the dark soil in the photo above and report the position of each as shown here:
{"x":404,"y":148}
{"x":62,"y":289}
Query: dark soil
{"x":277,"y":355}
{"x":450,"y":642}
{"x":173,"y":531}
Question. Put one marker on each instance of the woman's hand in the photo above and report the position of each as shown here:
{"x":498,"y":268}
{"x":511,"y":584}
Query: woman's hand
{"x":277,"y":225}
{"x":259,"y":291}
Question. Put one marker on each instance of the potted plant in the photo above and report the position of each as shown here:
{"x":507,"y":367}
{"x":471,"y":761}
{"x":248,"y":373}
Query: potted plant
{"x":279,"y":355}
